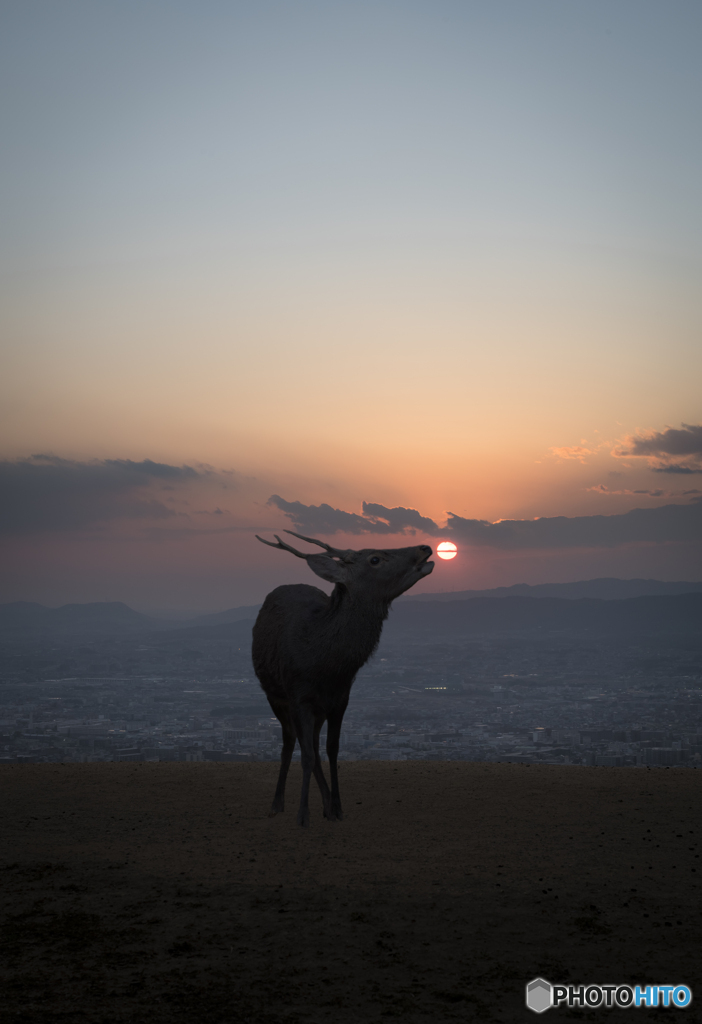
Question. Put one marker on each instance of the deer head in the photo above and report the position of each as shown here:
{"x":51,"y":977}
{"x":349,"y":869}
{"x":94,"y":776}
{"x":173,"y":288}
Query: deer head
{"x":379,"y":573}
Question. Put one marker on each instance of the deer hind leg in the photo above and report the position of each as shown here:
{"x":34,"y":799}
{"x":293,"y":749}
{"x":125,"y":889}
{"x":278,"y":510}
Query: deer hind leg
{"x":333,"y":732}
{"x":282,"y":713}
{"x":319,"y":772}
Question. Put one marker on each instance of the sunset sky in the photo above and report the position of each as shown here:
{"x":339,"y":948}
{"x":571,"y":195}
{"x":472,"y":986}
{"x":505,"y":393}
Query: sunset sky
{"x":384,"y":272}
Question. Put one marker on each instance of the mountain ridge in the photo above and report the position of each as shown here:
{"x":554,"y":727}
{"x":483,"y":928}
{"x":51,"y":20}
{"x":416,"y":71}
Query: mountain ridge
{"x":673,"y":613}
{"x":511,"y":604}
{"x":607,"y":588}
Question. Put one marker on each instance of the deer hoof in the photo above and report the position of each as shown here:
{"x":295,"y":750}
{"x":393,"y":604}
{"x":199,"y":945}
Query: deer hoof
{"x":303,"y":818}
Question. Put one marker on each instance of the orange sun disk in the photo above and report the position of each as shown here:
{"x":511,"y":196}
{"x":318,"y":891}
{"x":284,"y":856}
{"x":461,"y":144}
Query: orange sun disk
{"x":446,"y":550}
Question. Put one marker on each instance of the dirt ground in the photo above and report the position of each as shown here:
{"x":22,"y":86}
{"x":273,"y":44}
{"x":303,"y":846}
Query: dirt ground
{"x":163,"y":893}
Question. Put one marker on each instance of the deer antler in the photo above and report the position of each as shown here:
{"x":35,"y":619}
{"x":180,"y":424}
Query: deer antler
{"x":281,"y":544}
{"x":336,"y":552}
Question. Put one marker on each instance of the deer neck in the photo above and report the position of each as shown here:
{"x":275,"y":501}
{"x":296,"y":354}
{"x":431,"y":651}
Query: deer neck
{"x":358,"y":621}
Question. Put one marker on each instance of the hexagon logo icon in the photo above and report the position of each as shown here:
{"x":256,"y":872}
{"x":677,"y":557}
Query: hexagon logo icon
{"x":538,"y":995}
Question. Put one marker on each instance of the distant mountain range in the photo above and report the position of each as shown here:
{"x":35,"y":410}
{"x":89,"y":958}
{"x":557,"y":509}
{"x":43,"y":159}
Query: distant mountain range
{"x":101,"y":617}
{"x":607,"y":589}
{"x":245,"y":611}
{"x":429,"y":621}
{"x":678,"y":613}
{"x":589,"y":604}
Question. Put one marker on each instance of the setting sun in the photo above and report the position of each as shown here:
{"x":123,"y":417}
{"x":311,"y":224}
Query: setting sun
{"x":447,"y":549}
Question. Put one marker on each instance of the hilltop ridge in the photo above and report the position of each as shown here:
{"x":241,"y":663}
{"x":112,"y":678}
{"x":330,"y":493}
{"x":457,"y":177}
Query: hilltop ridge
{"x":586,"y":603}
{"x":607,"y":588}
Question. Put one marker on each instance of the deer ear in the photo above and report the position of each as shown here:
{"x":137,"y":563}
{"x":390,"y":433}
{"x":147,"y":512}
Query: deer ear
{"x":327,"y":568}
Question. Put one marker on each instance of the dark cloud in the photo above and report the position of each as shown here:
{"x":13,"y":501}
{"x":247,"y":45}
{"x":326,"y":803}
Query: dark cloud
{"x":375,"y":519}
{"x":678,"y":469}
{"x":669,"y":523}
{"x":687,"y":441}
{"x":45,"y":492}
{"x":400,"y":520}
{"x":325,"y":519}
{"x":652,"y":525}
{"x":668,"y":451}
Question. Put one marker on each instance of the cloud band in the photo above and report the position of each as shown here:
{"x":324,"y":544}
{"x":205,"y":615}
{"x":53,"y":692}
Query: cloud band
{"x":668,"y":524}
{"x":47,"y":493}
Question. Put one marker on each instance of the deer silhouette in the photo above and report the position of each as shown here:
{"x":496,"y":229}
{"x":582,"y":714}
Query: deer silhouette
{"x":308,"y":647}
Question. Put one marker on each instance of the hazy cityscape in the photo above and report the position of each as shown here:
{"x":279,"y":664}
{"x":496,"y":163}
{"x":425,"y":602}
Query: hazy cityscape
{"x":558,"y":696}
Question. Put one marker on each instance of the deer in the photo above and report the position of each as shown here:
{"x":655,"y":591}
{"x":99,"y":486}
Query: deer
{"x":308,"y":647}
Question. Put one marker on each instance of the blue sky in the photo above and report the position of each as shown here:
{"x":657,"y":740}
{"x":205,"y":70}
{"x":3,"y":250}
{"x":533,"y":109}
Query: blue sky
{"x":390,"y":252}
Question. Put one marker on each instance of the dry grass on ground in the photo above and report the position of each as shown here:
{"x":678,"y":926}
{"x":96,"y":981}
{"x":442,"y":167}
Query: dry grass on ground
{"x":163,"y":893}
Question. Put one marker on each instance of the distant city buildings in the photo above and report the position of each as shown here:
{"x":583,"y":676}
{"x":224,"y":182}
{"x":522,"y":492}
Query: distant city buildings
{"x":555,"y":699}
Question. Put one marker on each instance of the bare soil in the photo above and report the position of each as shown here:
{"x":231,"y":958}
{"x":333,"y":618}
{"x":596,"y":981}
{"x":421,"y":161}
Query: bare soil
{"x":163,"y":893}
